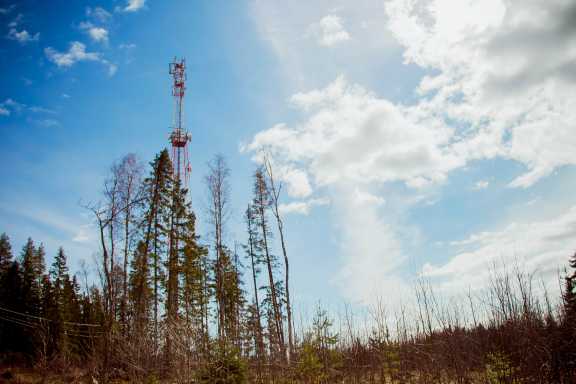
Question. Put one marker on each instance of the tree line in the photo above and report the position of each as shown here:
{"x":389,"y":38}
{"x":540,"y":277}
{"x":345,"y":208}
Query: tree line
{"x":170,"y":305}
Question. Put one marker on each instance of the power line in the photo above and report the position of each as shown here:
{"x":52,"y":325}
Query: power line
{"x":45,"y":319}
{"x":66,"y":332}
{"x":15,"y":321}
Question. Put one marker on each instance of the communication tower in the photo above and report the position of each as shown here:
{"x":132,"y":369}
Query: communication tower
{"x":179,"y":137}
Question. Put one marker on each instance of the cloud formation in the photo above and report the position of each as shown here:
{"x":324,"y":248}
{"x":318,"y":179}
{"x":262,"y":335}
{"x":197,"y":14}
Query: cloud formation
{"x":97,"y":34}
{"x":99,"y":14}
{"x":329,"y":31}
{"x":23,"y":36}
{"x":134,"y":5}
{"x":542,"y":246}
{"x":301,"y":207}
{"x":8,"y":106}
{"x":490,"y":76}
{"x":481,"y":97}
{"x":352,"y":135}
{"x":349,"y":143}
{"x":77,"y":53}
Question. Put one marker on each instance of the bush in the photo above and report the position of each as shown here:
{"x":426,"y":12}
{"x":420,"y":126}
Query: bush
{"x":499,"y":370}
{"x":226,"y":367}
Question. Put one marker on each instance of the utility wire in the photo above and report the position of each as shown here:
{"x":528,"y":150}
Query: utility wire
{"x":45,"y":319}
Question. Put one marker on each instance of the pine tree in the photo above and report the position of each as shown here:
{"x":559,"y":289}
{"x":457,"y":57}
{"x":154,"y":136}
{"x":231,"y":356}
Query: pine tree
{"x":261,"y":204}
{"x":193,"y":274}
{"x":15,"y":338}
{"x":39,"y":264}
{"x":254,"y":254}
{"x":59,"y":270}
{"x":178,"y":212}
{"x":5,"y":252}
{"x":140,"y":289}
{"x":30,"y":279}
{"x":233,"y":295}
{"x":10,"y":286}
{"x":51,"y":311}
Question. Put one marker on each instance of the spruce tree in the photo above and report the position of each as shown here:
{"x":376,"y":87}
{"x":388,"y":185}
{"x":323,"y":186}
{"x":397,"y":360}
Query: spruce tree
{"x":59,"y":269}
{"x":5,"y":252}
{"x":30,"y":279}
{"x":15,"y":338}
{"x":39,"y":264}
{"x":7,"y":290}
{"x":140,"y":291}
{"x":157,"y":203}
{"x":193,"y":296}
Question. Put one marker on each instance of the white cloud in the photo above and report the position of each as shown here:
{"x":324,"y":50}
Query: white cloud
{"x":10,"y":105}
{"x":372,"y":251}
{"x":329,"y":31}
{"x":481,"y":184}
{"x":301,"y":207}
{"x":292,"y":30}
{"x":73,"y":230}
{"x":482,"y":98}
{"x":76,"y":52}
{"x":23,"y":36}
{"x":542,"y":246}
{"x":350,"y":143}
{"x":134,"y":5}
{"x":99,"y":14}
{"x":363,"y":198}
{"x":351,"y":134}
{"x":97,"y":34}
{"x":14,"y":105}
{"x":7,"y":10}
{"x":483,"y":56}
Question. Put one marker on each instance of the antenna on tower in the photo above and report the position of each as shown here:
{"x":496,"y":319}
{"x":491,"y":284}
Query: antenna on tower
{"x":179,"y":137}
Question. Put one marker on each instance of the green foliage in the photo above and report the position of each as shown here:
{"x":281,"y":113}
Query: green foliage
{"x":499,"y":369}
{"x":388,"y":354}
{"x":225,"y":367}
{"x":5,"y":252}
{"x":319,"y":358}
{"x":309,"y":366}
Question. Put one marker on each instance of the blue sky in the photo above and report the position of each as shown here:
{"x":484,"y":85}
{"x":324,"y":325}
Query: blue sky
{"x":415,"y":139}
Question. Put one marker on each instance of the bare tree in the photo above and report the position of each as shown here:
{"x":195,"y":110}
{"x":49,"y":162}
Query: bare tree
{"x":275,"y":190}
{"x":261,"y":204}
{"x":129,"y":174}
{"x":218,"y":194}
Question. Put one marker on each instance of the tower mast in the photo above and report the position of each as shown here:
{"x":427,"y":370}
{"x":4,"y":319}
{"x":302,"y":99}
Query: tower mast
{"x":179,"y":137}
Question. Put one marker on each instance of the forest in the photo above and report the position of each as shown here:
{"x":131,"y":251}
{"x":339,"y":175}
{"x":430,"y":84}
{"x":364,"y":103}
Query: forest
{"x":168,"y":306}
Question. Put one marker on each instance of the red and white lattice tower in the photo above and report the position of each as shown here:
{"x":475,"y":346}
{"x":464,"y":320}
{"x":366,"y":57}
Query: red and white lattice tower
{"x":179,"y":137}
